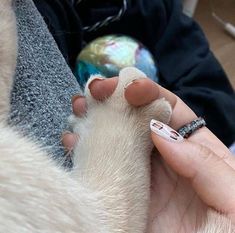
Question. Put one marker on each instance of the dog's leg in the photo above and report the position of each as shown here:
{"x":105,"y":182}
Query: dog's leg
{"x":108,"y":190}
{"x":8,"y":53}
{"x":113,"y":154}
{"x":36,"y":195}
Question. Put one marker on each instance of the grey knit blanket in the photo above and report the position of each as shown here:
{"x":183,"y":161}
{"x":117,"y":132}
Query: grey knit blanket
{"x":44,"y":84}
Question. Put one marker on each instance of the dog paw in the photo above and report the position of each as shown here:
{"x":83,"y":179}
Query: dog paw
{"x":117,"y":107}
{"x":116,"y":123}
{"x":112,"y":155}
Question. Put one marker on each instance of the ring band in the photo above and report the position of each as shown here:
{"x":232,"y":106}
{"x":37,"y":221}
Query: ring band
{"x":186,"y":130}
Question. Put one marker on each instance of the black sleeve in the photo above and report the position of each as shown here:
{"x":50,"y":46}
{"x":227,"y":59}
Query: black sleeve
{"x":64,"y":25}
{"x":190,"y":70}
{"x":187,"y":66}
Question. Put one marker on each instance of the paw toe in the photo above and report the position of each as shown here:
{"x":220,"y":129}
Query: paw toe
{"x":87,"y":92}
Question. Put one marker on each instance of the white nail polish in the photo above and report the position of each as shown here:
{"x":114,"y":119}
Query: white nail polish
{"x":165,"y":131}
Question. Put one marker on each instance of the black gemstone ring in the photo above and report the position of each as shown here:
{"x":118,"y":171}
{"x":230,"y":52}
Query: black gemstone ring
{"x":186,"y":130}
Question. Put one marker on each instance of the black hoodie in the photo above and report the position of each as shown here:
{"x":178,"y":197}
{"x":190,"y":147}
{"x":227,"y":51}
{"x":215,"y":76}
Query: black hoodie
{"x":187,"y":66}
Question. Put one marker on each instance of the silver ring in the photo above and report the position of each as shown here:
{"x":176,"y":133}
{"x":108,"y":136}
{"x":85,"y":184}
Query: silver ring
{"x":186,"y":130}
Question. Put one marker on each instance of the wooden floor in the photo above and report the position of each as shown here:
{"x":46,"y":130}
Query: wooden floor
{"x":222,"y":44}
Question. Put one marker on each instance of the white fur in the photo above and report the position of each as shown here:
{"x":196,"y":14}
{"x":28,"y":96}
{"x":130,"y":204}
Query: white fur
{"x":108,"y":188}
{"x":8,"y":53}
{"x":217,"y":223}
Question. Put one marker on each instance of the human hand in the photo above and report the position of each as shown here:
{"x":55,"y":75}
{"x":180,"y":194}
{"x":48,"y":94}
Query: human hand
{"x":202,"y":160}
{"x":189,"y":176}
{"x":203,"y":177}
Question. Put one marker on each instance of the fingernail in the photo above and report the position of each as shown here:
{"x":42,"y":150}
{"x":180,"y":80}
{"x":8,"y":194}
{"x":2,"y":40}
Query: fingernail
{"x":134,"y":81}
{"x":75,"y":97}
{"x":165,"y":131}
{"x":94,"y":80}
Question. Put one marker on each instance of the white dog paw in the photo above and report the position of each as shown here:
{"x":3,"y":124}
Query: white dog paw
{"x":117,"y":106}
{"x":115,"y":122}
{"x":112,"y":156}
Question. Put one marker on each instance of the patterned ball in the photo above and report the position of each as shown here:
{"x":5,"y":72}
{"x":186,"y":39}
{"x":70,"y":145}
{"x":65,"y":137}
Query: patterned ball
{"x":107,"y":55}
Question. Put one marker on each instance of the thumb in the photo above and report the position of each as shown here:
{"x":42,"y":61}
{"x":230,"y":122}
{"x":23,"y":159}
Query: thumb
{"x":211,"y":177}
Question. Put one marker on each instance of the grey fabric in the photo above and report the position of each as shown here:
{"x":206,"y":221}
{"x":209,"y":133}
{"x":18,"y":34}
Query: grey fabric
{"x":44,"y":84}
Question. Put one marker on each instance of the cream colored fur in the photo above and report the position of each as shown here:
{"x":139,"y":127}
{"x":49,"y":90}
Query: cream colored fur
{"x":107,"y":190}
{"x":8,"y":48}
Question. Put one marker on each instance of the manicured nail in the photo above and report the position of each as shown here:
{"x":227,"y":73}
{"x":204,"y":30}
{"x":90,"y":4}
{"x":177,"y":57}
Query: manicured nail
{"x":165,"y":131}
{"x":94,"y":80}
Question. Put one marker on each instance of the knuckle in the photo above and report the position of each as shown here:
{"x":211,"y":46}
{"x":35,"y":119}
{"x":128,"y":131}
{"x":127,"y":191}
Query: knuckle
{"x":205,"y":153}
{"x":208,"y":160}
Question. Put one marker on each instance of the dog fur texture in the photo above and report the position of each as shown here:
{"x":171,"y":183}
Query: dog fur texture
{"x":107,"y":190}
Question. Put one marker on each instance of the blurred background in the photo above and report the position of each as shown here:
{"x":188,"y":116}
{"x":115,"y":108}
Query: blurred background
{"x":221,"y":43}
